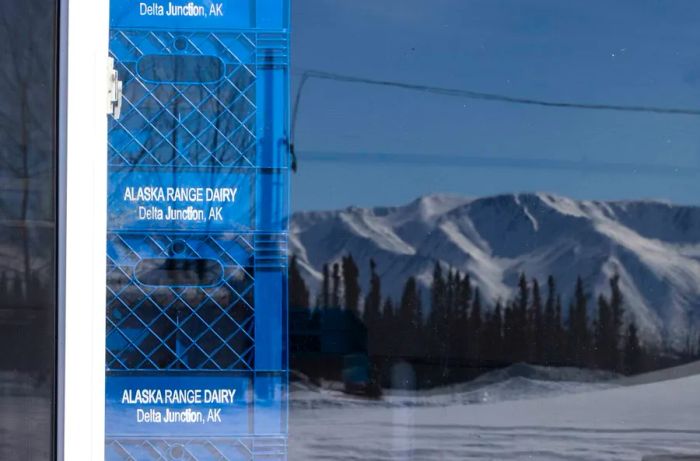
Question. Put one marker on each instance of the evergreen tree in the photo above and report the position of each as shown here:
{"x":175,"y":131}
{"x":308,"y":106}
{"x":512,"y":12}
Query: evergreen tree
{"x":335,"y":298}
{"x":536,"y":324}
{"x":617,"y":312}
{"x":578,"y":334}
{"x":549,"y":328}
{"x":326,"y":290}
{"x":461,"y":331}
{"x":465,"y":293}
{"x":492,"y":337}
{"x":372,"y":313}
{"x":298,"y":291}
{"x":509,"y":336}
{"x":451,"y":292}
{"x":388,"y":337}
{"x":351,"y":285}
{"x":608,"y":328}
{"x":604,"y":336}
{"x":438,"y":318}
{"x":560,"y":340}
{"x":689,"y":348}
{"x":520,"y":327}
{"x":475,"y":326}
{"x":448,"y":323}
{"x":410,"y":321}
{"x":634,"y":354}
{"x":373,"y":300}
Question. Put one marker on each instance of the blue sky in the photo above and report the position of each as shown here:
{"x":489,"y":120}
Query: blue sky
{"x":364,"y":145}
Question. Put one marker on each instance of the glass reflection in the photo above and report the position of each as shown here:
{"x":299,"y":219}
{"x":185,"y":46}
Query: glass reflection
{"x":507,"y":261}
{"x":27,"y":228}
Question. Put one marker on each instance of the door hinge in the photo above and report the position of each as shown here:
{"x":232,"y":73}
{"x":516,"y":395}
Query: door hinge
{"x":114,"y":90}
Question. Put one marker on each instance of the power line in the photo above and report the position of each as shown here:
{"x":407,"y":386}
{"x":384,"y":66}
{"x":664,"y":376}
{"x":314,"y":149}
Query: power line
{"x":469,"y":94}
{"x":523,"y":162}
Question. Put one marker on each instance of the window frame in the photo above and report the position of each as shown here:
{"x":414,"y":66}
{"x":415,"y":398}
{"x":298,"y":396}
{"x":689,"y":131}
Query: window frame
{"x":83,"y":103}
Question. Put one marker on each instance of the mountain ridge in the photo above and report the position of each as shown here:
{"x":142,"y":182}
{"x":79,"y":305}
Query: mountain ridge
{"x":653,"y":246}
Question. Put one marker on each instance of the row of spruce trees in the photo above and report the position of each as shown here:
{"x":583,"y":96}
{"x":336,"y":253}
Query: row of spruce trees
{"x":459,"y":328}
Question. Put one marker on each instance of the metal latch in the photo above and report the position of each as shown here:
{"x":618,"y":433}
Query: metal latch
{"x":114,"y":90}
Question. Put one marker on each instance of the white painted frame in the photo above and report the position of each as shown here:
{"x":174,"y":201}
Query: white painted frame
{"x":80,"y":420}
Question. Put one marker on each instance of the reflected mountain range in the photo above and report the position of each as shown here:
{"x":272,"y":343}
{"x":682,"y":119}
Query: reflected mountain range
{"x":653,"y":246}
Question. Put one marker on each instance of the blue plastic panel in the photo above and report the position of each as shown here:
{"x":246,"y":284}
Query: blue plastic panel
{"x":198,"y":181}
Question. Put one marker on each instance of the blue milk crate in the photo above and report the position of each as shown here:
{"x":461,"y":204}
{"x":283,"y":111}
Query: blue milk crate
{"x":197,"y":232}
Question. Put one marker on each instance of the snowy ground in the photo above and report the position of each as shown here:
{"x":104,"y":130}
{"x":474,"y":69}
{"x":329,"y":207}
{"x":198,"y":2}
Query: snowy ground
{"x":521,"y":414}
{"x":525,"y":419}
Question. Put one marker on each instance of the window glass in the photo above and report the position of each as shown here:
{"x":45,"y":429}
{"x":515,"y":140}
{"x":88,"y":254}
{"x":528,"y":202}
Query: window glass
{"x":496,"y":233}
{"x":28,"y":43}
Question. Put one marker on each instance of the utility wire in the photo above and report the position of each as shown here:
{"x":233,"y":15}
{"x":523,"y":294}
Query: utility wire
{"x":527,"y":162}
{"x":469,"y":94}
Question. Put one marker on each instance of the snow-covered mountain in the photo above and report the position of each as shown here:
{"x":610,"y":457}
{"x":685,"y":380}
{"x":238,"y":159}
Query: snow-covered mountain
{"x":653,"y":246}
